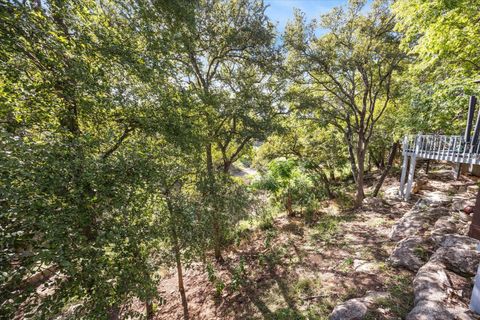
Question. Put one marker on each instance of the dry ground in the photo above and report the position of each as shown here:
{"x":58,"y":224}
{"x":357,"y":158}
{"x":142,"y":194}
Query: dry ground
{"x":297,"y":271}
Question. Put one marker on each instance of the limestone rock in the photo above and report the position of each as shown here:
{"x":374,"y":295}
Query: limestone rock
{"x":428,"y":310}
{"x":472,"y":189}
{"x":434,"y":285}
{"x":462,"y":217}
{"x":431,"y":282}
{"x":409,"y":253}
{"x":459,"y":253}
{"x":461,"y":313}
{"x":391,"y":193}
{"x":436,"y":198}
{"x":352,"y":309}
{"x":372,"y":202}
{"x":443,"y":226}
{"x":356,"y":309}
{"x":433,"y":290}
{"x":416,"y":221}
{"x":365,"y":266}
{"x":461,"y":204}
{"x":419,"y":184}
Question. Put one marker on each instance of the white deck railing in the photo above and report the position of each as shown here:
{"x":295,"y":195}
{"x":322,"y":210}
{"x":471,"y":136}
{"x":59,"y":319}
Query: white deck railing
{"x":436,"y":147}
{"x":440,"y":147}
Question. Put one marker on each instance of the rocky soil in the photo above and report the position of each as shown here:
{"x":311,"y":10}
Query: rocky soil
{"x":432,"y":243}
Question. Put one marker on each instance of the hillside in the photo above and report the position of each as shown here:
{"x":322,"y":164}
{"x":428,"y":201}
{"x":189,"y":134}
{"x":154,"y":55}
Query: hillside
{"x":297,"y":271}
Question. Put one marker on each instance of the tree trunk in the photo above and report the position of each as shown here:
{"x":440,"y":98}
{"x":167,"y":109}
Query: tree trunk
{"x":326,"y":184}
{"x":391,"y":158}
{"x":149,"y":310}
{"x":332,"y":174}
{"x":217,"y":241}
{"x":288,"y":205}
{"x":113,"y":313}
{"x":178,"y":261}
{"x":181,"y":288}
{"x":361,"y":148}
{"x":360,"y":195}
{"x":226,"y":166}
{"x":351,"y":158}
{"x":208,"y":152}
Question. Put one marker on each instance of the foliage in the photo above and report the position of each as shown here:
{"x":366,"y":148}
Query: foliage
{"x":288,"y":183}
{"x":226,"y":63}
{"x":441,"y":38}
{"x":441,"y":33}
{"x":314,"y":148}
{"x":346,"y":77}
{"x":80,"y":126}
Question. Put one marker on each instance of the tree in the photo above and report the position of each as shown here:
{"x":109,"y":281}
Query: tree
{"x":348,"y":72}
{"x":441,"y":33}
{"x":224,"y":61}
{"x":177,"y":208}
{"x":80,"y":104}
{"x":441,"y":39}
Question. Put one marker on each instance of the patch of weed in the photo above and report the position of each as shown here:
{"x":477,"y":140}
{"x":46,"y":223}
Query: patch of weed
{"x":328,"y":227}
{"x":346,"y":264}
{"x":286,"y":314}
{"x":400,"y":301}
{"x":421,"y":252}
{"x":304,"y":286}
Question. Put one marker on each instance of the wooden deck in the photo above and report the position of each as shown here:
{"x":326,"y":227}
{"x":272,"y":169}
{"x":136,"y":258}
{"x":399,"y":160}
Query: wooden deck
{"x":435,"y":147}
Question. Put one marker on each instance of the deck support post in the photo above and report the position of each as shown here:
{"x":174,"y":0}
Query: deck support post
{"x":458,"y":171}
{"x":411,"y":175}
{"x":411,"y":171}
{"x":428,"y":166}
{"x":403,"y":176}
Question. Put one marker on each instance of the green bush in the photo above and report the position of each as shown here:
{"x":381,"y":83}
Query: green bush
{"x":290,"y":185}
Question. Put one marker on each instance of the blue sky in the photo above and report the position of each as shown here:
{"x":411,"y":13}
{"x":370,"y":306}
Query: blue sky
{"x":280,"y":11}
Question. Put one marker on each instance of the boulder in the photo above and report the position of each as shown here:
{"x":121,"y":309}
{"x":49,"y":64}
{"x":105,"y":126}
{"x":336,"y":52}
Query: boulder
{"x":460,"y":204}
{"x":462,"y":217}
{"x":472,"y":189}
{"x":431,"y":282}
{"x":356,"y":309}
{"x":437,"y":282}
{"x":391,"y":193}
{"x":352,"y":309}
{"x":436,"y":198}
{"x":443,"y":226}
{"x":461,"y":313}
{"x":433,"y":289}
{"x":428,"y":310}
{"x":459,"y":253}
{"x":419,"y":184}
{"x":416,"y":221}
{"x":409,"y":253}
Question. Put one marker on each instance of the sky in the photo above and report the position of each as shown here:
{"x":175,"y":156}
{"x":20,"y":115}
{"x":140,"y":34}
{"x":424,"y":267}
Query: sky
{"x":280,"y":11}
